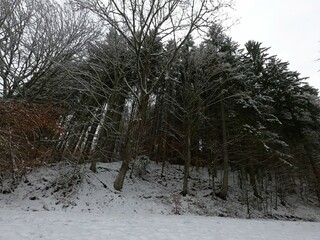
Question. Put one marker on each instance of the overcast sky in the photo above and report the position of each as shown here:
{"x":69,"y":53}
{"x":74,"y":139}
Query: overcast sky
{"x":290,"y":27}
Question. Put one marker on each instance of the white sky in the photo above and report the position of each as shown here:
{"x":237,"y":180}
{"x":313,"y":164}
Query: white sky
{"x":290,"y":27}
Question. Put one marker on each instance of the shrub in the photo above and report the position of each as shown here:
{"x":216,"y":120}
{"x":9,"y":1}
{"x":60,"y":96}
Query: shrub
{"x":26,"y":133}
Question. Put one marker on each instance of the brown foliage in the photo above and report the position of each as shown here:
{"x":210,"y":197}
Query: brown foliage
{"x":26,"y":133}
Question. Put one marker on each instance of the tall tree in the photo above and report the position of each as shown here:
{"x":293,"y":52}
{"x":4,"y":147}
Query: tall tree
{"x":143,"y":24}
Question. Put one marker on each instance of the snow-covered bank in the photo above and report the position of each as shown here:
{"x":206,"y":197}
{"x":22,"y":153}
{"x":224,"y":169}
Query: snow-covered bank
{"x":16,"y":225}
{"x":66,"y":188}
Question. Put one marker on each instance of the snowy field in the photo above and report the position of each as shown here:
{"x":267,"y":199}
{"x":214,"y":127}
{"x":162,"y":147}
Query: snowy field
{"x":15,"y":225}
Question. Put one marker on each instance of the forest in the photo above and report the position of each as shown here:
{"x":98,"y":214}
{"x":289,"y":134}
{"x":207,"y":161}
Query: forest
{"x":91,"y":81}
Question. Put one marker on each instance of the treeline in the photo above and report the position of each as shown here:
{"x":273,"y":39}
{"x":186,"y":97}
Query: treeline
{"x":89,"y":82}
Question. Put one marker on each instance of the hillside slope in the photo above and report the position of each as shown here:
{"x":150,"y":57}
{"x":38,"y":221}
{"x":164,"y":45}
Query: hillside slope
{"x":64,"y":187}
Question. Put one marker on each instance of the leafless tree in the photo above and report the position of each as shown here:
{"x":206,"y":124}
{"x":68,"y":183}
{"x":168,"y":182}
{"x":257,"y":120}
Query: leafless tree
{"x":143,"y":23}
{"x":36,"y":36}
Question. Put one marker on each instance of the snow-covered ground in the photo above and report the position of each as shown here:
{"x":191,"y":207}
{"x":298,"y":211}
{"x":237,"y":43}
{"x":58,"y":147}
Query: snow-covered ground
{"x":67,"y":202}
{"x":16,"y":225}
{"x":63,"y":187}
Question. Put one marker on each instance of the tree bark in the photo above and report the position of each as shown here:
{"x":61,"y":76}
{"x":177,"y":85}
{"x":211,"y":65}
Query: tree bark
{"x":224,"y":189}
{"x":185,"y":188}
{"x":116,"y":119}
{"x":315,"y":170}
{"x":134,"y":132}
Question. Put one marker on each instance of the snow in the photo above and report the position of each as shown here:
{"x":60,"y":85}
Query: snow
{"x":16,"y":225}
{"x":64,"y":201}
{"x":49,"y":189}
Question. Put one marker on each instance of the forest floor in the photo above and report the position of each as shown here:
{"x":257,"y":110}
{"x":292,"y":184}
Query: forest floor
{"x":73,"y":188}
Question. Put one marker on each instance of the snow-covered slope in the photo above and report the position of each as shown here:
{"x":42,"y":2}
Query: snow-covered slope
{"x":63,"y":187}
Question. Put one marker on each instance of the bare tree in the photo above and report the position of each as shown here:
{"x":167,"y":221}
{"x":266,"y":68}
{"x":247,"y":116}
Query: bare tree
{"x":35,"y":37}
{"x":143,"y":23}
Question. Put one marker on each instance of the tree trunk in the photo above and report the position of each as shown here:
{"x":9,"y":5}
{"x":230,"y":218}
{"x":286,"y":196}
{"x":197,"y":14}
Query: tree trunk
{"x":104,"y":133}
{"x":91,"y":135}
{"x":253,"y":180}
{"x":118,"y":183}
{"x":116,"y":120}
{"x":224,"y":189}
{"x":213,"y":172}
{"x":315,"y":170}
{"x":187,"y":161}
{"x":134,"y":132}
{"x":88,"y":147}
{"x":164,"y":152}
